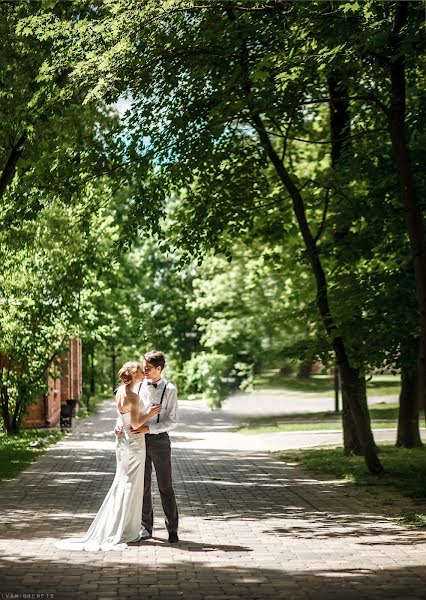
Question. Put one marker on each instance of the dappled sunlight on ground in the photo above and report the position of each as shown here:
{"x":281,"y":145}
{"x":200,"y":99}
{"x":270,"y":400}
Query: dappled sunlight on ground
{"x":251,"y":526}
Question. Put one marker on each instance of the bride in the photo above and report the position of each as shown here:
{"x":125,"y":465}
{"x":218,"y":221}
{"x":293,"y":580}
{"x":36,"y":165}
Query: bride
{"x":119,"y":519}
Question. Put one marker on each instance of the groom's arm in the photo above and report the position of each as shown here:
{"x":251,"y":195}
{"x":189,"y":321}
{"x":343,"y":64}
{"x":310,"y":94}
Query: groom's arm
{"x":168,"y":418}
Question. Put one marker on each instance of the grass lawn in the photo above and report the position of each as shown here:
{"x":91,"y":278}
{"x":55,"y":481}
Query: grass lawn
{"x":322,"y":385}
{"x":405,"y":472}
{"x":382,"y":416}
{"x":16,"y":452}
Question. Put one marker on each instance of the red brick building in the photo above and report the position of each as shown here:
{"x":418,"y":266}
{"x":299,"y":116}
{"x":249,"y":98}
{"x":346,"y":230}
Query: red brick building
{"x":68,"y":385}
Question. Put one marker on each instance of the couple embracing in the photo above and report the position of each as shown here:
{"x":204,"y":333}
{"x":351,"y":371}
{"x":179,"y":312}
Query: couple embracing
{"x":147,"y":409}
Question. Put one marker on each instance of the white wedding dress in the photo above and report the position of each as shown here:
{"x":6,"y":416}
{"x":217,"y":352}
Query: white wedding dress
{"x":119,"y":518}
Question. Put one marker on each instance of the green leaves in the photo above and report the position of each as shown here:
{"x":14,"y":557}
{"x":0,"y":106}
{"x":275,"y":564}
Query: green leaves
{"x":352,"y":6}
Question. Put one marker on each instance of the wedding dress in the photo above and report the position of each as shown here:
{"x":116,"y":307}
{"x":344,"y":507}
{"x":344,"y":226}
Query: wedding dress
{"x":119,"y":518}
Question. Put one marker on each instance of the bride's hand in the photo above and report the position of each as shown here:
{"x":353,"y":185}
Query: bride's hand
{"x":153,"y":409}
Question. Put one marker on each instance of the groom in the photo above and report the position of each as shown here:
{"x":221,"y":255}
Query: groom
{"x":156,"y":390}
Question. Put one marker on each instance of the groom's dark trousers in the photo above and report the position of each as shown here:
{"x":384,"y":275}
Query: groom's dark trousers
{"x":158,"y":452}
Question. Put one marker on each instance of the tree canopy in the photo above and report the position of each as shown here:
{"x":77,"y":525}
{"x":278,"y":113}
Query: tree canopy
{"x":266,"y":178}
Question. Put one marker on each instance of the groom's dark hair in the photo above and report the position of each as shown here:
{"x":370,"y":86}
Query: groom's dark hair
{"x":156,"y":358}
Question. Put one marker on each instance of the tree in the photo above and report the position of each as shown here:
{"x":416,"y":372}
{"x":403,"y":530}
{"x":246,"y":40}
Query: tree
{"x":142,"y":302}
{"x":45,"y":291}
{"x":230,"y":95}
{"x":227,"y":97}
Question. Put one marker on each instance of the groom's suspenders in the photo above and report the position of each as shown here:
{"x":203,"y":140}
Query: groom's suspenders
{"x":162,"y":398}
{"x":161,"y":401}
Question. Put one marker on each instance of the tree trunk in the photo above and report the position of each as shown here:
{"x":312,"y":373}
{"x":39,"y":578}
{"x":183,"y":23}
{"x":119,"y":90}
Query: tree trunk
{"x":351,"y":443}
{"x":304,"y":370}
{"x":354,"y":389}
{"x":92,"y":377}
{"x":408,"y":435}
{"x":352,"y":383}
{"x":340,"y":118}
{"x":5,"y":409}
{"x":340,"y":126}
{"x":410,"y":200}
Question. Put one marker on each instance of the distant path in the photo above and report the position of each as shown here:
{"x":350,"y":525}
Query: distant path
{"x":273,"y":401}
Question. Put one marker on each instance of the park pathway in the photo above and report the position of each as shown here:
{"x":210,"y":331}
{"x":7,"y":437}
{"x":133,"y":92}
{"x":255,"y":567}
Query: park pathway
{"x":252,"y":527}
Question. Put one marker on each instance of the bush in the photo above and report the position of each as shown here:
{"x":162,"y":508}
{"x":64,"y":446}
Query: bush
{"x":206,"y":375}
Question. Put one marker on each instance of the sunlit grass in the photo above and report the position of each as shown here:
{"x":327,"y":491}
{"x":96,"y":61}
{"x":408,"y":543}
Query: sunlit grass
{"x":404,"y":468}
{"x":16,"y":453}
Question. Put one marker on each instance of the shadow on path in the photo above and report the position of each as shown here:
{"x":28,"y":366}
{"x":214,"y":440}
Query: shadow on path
{"x":185,"y":579}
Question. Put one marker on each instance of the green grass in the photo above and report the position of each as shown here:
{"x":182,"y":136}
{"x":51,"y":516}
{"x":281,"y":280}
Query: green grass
{"x":322,"y":385}
{"x":382,"y":416}
{"x":404,"y":468}
{"x":417,"y":520}
{"x":16,"y":453}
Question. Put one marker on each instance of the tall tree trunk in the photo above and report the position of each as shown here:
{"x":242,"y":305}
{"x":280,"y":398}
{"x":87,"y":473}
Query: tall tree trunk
{"x":92,"y":376}
{"x":408,"y":435}
{"x":360,"y":437}
{"x":412,"y":211}
{"x":340,"y":126}
{"x":5,"y":409}
{"x":340,"y":118}
{"x":352,"y":382}
{"x":351,"y":444}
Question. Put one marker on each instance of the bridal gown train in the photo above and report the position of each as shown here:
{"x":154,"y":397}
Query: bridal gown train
{"x":119,"y":518}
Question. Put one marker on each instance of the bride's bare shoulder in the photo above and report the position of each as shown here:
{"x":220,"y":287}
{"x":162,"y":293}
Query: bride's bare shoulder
{"x":133,"y":396}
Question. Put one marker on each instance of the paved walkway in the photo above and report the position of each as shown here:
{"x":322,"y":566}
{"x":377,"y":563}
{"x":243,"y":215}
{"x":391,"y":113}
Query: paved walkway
{"x":278,"y":401}
{"x":252,"y":527}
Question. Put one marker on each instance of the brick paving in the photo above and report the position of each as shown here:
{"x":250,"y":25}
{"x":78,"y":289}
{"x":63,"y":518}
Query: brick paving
{"x":252,"y":527}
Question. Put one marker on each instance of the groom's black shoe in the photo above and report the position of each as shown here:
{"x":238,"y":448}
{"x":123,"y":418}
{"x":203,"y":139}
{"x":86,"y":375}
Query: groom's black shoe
{"x":173,"y":537}
{"x":145,"y":535}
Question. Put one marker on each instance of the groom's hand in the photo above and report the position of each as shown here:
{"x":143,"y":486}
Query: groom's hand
{"x":141,"y":429}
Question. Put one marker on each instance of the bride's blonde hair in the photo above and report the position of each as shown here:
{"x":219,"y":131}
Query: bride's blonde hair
{"x":129,"y":370}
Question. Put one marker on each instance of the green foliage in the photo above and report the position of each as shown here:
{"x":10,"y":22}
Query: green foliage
{"x":185,"y":165}
{"x":206,"y":375}
{"x":142,"y":302}
{"x":415,"y":520}
{"x":46,"y":297}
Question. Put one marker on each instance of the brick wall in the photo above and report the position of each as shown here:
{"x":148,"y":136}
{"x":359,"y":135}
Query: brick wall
{"x":46,"y":411}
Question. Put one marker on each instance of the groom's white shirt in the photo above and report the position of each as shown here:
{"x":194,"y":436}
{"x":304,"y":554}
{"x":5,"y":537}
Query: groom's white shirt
{"x":169,"y":407}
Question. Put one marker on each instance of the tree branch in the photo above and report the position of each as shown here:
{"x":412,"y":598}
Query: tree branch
{"x":10,"y":166}
{"x":324,"y":216}
{"x":18,"y":148}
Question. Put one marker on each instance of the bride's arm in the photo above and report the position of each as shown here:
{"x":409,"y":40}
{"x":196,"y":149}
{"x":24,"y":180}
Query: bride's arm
{"x":136,"y":418}
{"x":119,"y":424}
